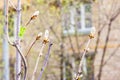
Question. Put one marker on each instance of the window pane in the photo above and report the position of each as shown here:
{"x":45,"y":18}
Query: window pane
{"x":78,"y":18}
{"x":88,"y":18}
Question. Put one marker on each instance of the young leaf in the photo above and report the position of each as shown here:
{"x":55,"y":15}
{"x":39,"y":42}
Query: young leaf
{"x":22,"y":31}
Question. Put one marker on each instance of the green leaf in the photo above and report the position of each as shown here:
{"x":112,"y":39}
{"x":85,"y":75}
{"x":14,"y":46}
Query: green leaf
{"x":22,"y":31}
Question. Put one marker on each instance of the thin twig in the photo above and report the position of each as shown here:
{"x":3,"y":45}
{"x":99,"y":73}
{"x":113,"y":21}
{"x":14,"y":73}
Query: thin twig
{"x":27,"y":22}
{"x":83,"y":56}
{"x":70,"y":40}
{"x":6,"y":24}
{"x":38,"y":58}
{"x":115,"y":15}
{"x":14,"y":44}
{"x":12,"y":5}
{"x":30,"y":47}
{"x":37,"y":38}
{"x":81,"y":62}
{"x":113,"y":5}
{"x":106,"y":42}
{"x":54,"y":33}
{"x":45,"y":61}
{"x":104,"y":52}
{"x":113,"y":53}
{"x":23,"y":59}
{"x":114,"y":8}
{"x":76,"y":38}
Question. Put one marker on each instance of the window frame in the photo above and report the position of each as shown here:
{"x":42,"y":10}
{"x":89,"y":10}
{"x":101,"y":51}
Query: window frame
{"x":83,"y":30}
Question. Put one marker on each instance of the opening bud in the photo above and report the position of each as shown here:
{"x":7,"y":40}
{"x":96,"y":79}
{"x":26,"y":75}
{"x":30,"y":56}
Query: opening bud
{"x":46,"y":36}
{"x":92,"y":33}
{"x":35,"y":14}
{"x":39,"y":36}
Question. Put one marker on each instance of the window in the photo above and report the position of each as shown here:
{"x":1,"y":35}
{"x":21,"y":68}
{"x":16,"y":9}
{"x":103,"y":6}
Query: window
{"x":79,"y":20}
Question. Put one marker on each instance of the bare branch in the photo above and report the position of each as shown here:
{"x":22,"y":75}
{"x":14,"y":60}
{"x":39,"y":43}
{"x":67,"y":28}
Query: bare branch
{"x":113,"y":5}
{"x":81,"y":61}
{"x":91,"y":36}
{"x":30,"y":47}
{"x":77,"y":41}
{"x":113,"y":53}
{"x":115,"y":15}
{"x":38,"y":58}
{"x":45,"y":61}
{"x":23,"y":59}
{"x":12,"y":5}
{"x":13,"y":43}
{"x":54,"y":33}
{"x":70,"y":40}
{"x":6,"y":25}
{"x":112,"y":18}
{"x":37,"y":38}
{"x":107,"y":39}
{"x":45,"y":41}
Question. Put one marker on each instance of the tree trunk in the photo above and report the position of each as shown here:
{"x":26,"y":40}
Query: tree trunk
{"x":5,"y":43}
{"x":18,"y":58}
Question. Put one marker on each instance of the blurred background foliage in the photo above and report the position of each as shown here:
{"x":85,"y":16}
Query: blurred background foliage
{"x":51,"y":14}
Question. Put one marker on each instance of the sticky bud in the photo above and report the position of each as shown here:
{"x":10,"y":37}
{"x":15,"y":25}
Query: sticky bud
{"x":92,"y":33}
{"x":39,"y":36}
{"x":35,"y":14}
{"x":46,"y":36}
